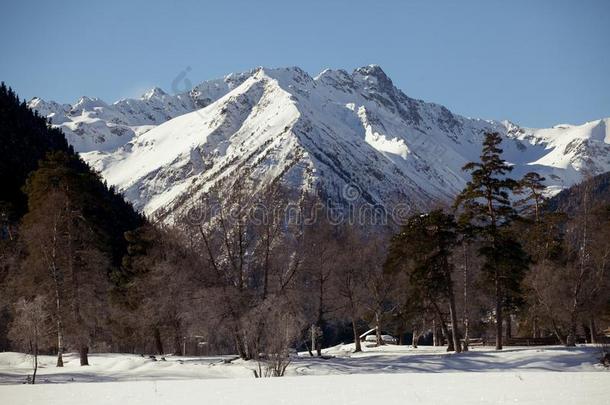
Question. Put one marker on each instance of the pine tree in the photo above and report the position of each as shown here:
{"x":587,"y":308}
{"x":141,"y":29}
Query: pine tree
{"x":531,"y":186}
{"x":66,"y":251}
{"x":423,"y":248}
{"x":487,"y":206}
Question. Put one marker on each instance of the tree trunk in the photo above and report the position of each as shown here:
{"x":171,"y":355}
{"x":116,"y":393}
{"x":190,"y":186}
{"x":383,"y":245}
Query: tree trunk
{"x":571,"y":339}
{"x":158,"y":341}
{"x":320,"y":320}
{"x":445,"y":330}
{"x":240,"y":346}
{"x":498,"y":312}
{"x":316,"y":339}
{"x":266,"y":269}
{"x":380,"y":341}
{"x":60,"y":349}
{"x":593,"y":332}
{"x":587,"y":332}
{"x":84,"y":355}
{"x":509,"y":326}
{"x":310,"y":348}
{"x":465,"y":311}
{"x":57,"y":284}
{"x":319,"y":347}
{"x":35,"y":363}
{"x":356,"y":336}
{"x":178,"y":344}
{"x":415,"y":338}
{"x":60,"y":325}
{"x":454,"y":322}
{"x":562,"y":339}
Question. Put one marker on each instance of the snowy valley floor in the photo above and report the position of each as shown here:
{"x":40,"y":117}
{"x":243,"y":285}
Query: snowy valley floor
{"x":387,"y":375}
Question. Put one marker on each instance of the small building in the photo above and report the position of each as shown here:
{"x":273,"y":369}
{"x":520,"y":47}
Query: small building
{"x":371,"y":337}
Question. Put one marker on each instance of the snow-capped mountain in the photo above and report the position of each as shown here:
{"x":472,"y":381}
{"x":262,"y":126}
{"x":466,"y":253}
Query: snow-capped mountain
{"x":321,"y":133}
{"x":91,"y":124}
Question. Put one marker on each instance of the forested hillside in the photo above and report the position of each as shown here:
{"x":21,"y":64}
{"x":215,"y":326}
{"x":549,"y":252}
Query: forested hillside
{"x":569,"y":200}
{"x":25,"y":138}
{"x":61,"y":225}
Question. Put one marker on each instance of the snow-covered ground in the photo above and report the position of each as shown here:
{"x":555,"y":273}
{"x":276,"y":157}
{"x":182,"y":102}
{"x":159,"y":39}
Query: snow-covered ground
{"x":424,"y":388}
{"x":390,"y":374}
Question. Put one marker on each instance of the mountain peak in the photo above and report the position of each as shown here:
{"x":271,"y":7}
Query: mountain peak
{"x":373,"y":71}
{"x":36,"y":102}
{"x":88,"y":103}
{"x":286,"y":75}
{"x":155,"y":92}
{"x":374,"y":75}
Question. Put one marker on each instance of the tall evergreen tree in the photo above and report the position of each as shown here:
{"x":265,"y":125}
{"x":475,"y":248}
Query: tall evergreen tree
{"x":531,"y":187}
{"x":423,"y":248}
{"x":67,"y":251}
{"x":487,"y":206}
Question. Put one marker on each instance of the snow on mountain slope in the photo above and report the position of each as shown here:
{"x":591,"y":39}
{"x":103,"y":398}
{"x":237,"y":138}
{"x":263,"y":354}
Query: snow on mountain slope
{"x":570,"y":151}
{"x":322,"y":134}
{"x":159,"y":166}
{"x":91,"y":124}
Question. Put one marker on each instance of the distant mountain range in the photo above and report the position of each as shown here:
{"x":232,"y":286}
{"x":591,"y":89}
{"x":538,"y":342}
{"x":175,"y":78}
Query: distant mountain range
{"x":320,"y":133}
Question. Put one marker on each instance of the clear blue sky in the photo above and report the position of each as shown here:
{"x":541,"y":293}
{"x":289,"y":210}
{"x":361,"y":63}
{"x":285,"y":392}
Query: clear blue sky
{"x":537,"y":63}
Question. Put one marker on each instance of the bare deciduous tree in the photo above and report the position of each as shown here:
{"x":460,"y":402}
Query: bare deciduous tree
{"x":30,"y":328}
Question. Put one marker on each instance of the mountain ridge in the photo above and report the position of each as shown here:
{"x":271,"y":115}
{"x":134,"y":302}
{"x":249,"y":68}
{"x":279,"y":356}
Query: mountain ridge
{"x":312,"y":133}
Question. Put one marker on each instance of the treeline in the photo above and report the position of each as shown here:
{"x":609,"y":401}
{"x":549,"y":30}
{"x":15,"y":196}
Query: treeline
{"x":258,"y":274}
